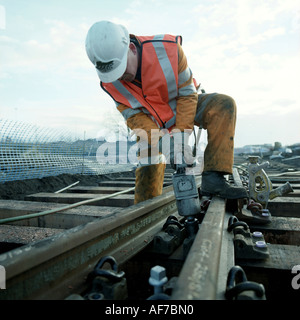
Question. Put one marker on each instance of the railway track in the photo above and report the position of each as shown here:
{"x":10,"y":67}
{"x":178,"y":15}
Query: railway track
{"x":66,"y":254}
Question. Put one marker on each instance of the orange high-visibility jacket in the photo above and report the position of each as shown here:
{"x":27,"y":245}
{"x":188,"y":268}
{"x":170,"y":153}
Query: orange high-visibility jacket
{"x":158,"y":92}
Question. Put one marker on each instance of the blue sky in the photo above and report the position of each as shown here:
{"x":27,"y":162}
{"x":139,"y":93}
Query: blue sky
{"x":248,"y":49}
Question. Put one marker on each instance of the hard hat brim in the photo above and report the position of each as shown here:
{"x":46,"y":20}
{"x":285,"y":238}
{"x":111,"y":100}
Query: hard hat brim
{"x":115,"y":74}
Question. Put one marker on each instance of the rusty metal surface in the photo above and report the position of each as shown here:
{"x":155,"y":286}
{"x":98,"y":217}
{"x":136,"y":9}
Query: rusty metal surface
{"x":35,"y":269}
{"x":199,"y":276}
{"x":57,"y":266}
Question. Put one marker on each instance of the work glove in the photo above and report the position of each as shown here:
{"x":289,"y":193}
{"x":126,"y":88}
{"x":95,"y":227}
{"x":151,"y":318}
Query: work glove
{"x":176,"y":149}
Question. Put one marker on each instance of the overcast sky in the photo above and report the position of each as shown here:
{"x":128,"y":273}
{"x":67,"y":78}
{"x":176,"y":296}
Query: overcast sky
{"x":248,"y":49}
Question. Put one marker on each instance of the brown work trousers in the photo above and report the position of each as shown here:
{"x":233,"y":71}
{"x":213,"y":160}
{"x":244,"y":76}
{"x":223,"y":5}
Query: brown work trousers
{"x":217,"y":114}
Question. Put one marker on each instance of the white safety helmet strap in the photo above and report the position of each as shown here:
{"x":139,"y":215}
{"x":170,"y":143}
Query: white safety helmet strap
{"x":107,"y":46}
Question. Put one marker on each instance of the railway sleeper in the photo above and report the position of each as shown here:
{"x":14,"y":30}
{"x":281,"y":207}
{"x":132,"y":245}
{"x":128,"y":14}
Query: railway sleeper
{"x":282,"y":230}
{"x":201,"y":273}
{"x":64,"y":220}
{"x":275,"y":273}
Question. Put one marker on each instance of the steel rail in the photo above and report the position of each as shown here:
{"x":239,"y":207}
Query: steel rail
{"x":57,"y":266}
{"x":47,"y":269}
{"x":209,"y":259}
{"x":204,"y":273}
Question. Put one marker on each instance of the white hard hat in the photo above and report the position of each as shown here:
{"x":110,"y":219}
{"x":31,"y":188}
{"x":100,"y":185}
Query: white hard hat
{"x":107,"y":46}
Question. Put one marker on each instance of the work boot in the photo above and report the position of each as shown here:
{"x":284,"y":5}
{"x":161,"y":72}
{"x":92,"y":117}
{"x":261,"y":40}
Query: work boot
{"x":214,"y":183}
{"x":149,"y":182}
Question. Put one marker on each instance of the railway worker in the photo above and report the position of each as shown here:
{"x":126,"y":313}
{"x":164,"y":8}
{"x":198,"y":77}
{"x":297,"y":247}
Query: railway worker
{"x":149,"y":79}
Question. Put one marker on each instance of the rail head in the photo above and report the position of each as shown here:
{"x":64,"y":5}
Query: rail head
{"x":198,"y":279}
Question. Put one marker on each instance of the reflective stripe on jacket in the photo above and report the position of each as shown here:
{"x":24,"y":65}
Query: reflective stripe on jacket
{"x":159,"y":75}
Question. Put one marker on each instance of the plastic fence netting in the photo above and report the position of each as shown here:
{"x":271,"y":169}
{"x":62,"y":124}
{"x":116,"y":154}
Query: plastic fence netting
{"x":28,"y":151}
